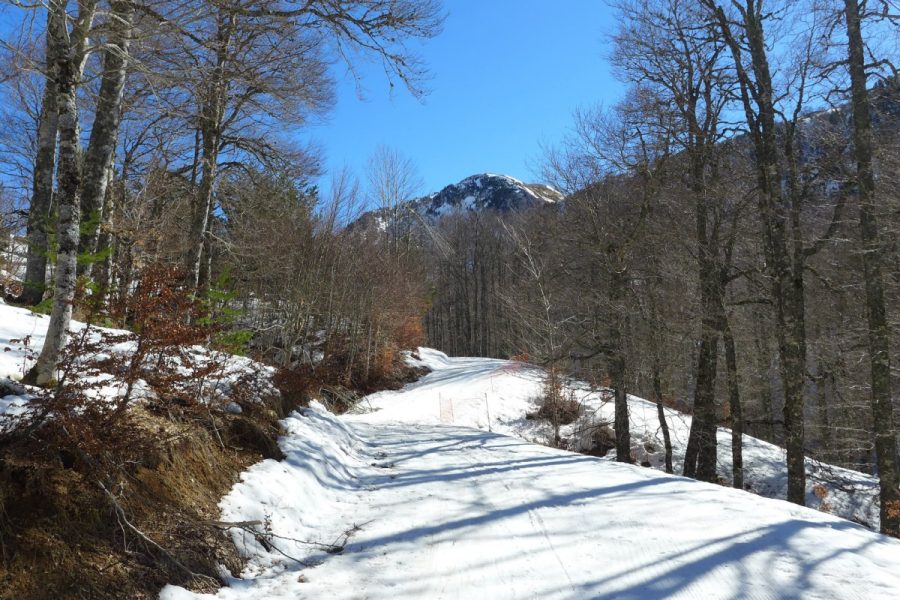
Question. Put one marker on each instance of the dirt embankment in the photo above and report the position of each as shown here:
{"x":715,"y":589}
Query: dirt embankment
{"x":71,"y":527}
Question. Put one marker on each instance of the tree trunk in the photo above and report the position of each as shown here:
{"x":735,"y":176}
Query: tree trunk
{"x":701,"y":452}
{"x":734,"y":406}
{"x":784,"y":268}
{"x":40,"y":211}
{"x":763,"y":357}
{"x":203,"y":203}
{"x":879,"y":329}
{"x":211,"y":115}
{"x":787,"y":283}
{"x":661,"y":412}
{"x":69,"y":177}
{"x":102,"y":144}
{"x":824,"y":384}
{"x":204,"y":281}
{"x":617,"y":368}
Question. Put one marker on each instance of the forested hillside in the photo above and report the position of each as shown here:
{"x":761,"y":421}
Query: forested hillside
{"x":727,"y":246}
{"x":540,"y":282}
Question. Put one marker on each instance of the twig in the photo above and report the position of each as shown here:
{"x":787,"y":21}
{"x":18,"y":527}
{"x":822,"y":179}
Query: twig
{"x":123,"y":520}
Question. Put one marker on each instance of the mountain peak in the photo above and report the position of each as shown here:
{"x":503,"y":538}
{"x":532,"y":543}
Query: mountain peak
{"x":487,"y":191}
{"x":476,"y":193}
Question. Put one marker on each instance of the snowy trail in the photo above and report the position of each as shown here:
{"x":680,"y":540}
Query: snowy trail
{"x":447,"y":511}
{"x":452,"y":500}
{"x":453,"y":512}
{"x":463,"y":514}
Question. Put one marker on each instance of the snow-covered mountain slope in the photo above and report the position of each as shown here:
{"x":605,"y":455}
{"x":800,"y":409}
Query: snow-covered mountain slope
{"x":487,"y":192}
{"x":484,"y":192}
{"x":414,"y":499}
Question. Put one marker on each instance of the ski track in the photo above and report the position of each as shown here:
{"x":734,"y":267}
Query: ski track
{"x":452,"y":512}
{"x":466,"y":514}
{"x":494,"y":525}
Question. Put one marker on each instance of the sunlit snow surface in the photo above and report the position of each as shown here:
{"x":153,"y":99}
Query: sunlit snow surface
{"x":446,"y":509}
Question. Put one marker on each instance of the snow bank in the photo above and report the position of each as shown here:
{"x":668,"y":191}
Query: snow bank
{"x":22,"y":335}
{"x":302,"y":507}
{"x":297,"y":497}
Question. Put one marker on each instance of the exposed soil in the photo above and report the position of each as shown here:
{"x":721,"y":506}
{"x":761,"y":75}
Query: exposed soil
{"x":63,"y":536}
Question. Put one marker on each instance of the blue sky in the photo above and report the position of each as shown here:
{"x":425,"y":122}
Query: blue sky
{"x":506,"y":76}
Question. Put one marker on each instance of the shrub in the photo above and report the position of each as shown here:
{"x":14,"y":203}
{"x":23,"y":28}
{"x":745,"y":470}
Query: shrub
{"x":109,"y":470}
{"x":555,"y":405}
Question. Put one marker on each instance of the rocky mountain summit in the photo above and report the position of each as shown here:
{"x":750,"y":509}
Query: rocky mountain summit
{"x":487,"y":192}
{"x":483,"y":192}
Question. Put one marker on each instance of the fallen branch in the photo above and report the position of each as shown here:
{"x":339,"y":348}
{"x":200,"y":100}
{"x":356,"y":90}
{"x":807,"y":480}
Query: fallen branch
{"x":124,"y":522}
{"x":265,"y":538}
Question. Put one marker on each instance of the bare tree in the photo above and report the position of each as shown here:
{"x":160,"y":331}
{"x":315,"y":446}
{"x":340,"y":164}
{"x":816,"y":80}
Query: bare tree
{"x":248,"y":61}
{"x":665,"y":47}
{"x":41,"y":207}
{"x":64,"y":46}
{"x":783,"y":191}
{"x":98,"y":159}
{"x":872,"y":257}
{"x":393,"y":183}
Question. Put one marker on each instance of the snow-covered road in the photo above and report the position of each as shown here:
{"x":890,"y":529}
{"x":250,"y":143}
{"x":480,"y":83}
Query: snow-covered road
{"x":459,"y":513}
{"x":446,"y":511}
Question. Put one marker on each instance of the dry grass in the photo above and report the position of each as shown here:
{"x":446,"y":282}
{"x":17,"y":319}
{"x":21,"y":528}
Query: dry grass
{"x":61,"y":535}
{"x":114,"y":499}
{"x":329,"y":381}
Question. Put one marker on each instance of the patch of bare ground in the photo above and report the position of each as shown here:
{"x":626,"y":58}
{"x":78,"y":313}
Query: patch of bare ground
{"x":123,"y":509}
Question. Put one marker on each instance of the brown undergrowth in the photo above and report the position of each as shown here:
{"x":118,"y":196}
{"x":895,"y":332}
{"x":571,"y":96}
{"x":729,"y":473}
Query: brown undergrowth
{"x":67,"y":535}
{"x":556,"y":406}
{"x":114,"y":498}
{"x":339,"y":385}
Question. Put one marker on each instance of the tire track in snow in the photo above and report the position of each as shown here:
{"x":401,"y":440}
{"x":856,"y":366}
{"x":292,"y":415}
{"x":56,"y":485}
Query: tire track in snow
{"x":538,"y":522}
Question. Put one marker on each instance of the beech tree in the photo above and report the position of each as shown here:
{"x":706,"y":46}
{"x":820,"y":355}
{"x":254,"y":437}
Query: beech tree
{"x":665,"y":46}
{"x":773,"y":118}
{"x":392,"y":183}
{"x":617,"y":161}
{"x":64,"y":46}
{"x":41,"y":207}
{"x":98,"y":159}
{"x":267,"y":57}
{"x":872,"y":251}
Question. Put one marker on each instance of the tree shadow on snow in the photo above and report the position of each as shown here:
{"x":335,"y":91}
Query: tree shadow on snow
{"x":679,"y":572}
{"x":474,"y":521}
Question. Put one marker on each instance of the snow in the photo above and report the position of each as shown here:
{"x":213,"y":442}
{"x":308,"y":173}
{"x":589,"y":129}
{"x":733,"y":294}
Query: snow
{"x":13,"y":252}
{"x":439,"y":490}
{"x":471,"y":388}
{"x":413,"y":498}
{"x":22,"y":335}
{"x":19,"y":324}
